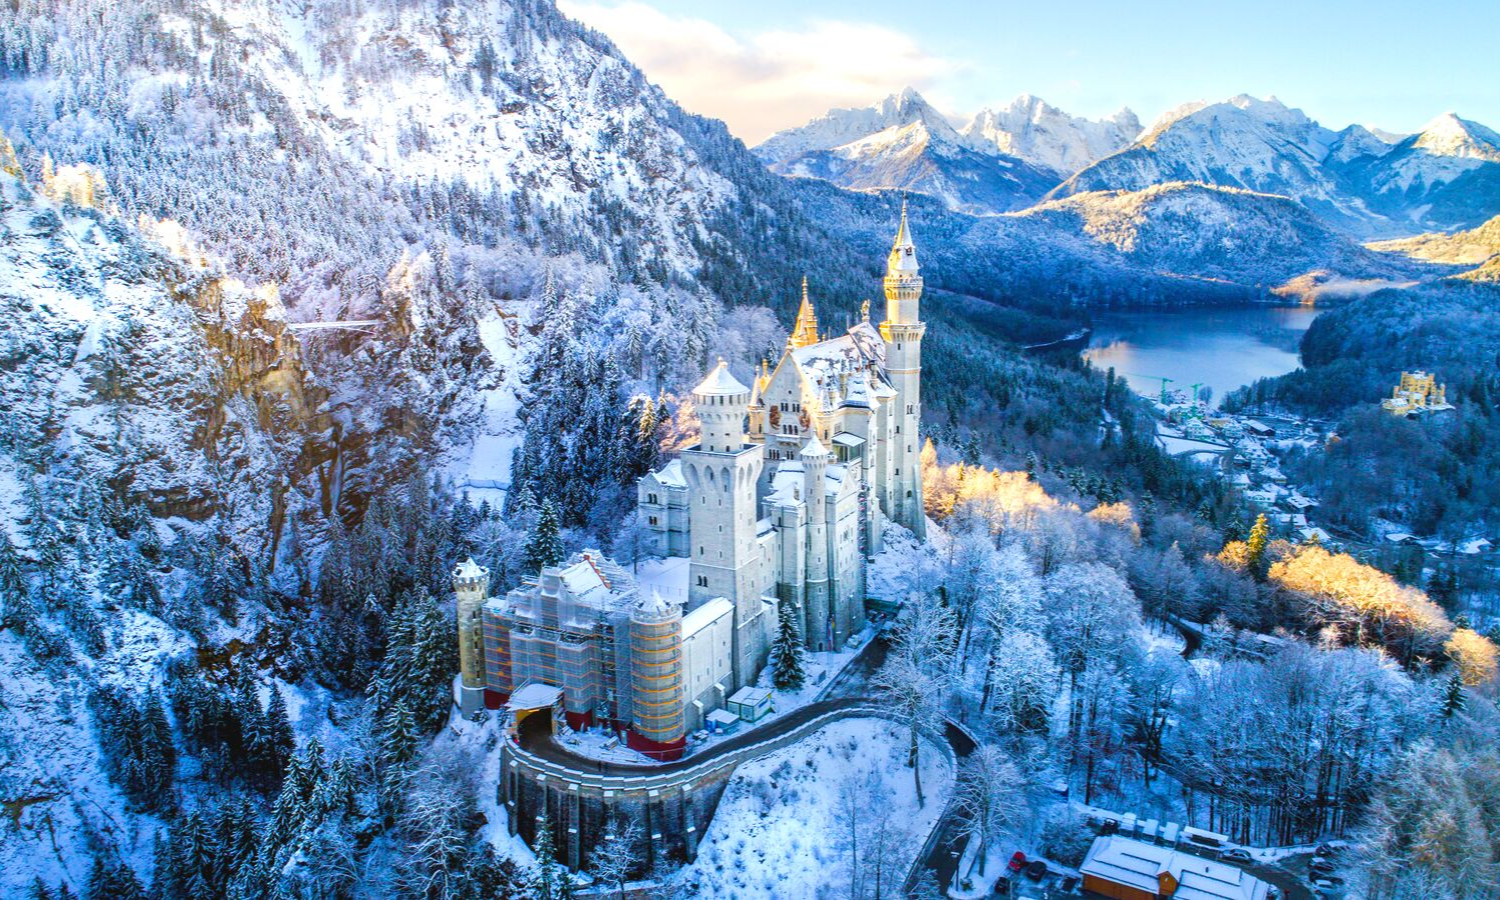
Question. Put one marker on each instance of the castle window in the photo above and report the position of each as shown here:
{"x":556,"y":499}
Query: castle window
{"x":651,"y":498}
{"x":702,"y":551}
{"x":652,"y":520}
{"x":702,"y":581}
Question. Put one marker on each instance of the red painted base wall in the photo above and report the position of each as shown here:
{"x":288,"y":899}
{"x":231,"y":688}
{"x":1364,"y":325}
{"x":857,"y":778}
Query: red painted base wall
{"x":664,"y":752}
{"x":494,"y":699}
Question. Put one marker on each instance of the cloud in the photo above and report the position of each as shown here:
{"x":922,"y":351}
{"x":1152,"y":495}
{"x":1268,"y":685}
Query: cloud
{"x":760,"y":83}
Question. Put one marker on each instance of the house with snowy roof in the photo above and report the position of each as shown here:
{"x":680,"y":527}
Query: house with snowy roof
{"x":1127,"y":869}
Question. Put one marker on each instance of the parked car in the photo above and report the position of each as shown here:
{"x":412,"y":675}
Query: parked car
{"x":1037,"y":870}
{"x":1321,"y":867}
{"x":1326,"y":850}
{"x":1110,"y":826}
{"x":1017,"y":862}
{"x":1238,"y":855}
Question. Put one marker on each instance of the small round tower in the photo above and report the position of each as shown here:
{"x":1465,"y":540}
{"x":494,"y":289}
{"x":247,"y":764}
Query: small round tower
{"x":817,"y":630}
{"x":471,"y":582}
{"x":657,"y":727}
{"x":722,"y":404}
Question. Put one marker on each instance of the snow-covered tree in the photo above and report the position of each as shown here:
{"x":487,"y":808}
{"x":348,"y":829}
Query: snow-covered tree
{"x":544,"y":548}
{"x":617,"y":855}
{"x":787,"y":672}
{"x":991,"y":797}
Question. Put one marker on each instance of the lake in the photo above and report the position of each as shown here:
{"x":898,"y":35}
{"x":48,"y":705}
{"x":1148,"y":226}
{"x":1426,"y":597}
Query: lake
{"x":1221,"y":348}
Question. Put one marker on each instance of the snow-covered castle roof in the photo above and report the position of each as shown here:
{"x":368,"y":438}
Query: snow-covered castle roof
{"x":720,"y":382}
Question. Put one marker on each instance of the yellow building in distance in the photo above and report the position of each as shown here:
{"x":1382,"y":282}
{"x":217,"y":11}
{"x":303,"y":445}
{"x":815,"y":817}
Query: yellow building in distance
{"x":1418,"y":393}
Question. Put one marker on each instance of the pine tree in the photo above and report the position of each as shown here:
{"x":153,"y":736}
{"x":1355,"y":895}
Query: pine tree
{"x":158,"y":753}
{"x":13,"y":589}
{"x":786,"y":655}
{"x":1255,"y":546}
{"x":280,"y":742}
{"x":545,"y":547}
{"x":549,"y":880}
{"x":1454,"y":700}
{"x":40,"y":891}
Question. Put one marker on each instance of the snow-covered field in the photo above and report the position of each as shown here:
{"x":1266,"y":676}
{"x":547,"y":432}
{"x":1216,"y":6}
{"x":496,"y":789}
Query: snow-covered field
{"x":782,"y":831}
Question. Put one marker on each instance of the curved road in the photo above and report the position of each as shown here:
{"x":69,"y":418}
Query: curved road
{"x":848,"y":688}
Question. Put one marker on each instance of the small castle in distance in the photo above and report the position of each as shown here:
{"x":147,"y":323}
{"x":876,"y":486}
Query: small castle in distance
{"x":777,"y":510}
{"x":1417,"y":394}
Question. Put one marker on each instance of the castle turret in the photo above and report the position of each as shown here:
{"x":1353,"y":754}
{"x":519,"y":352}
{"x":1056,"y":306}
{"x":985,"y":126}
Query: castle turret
{"x":657,"y":726}
{"x":757,"y":408}
{"x":722,"y":404}
{"x":817,"y":630}
{"x":471,"y":582}
{"x":902,"y":330}
{"x":805,"y":332}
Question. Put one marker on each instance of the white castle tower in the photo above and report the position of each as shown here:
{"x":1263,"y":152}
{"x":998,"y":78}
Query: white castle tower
{"x":817,"y":630}
{"x":902,"y":330}
{"x":722,"y":472}
{"x":471,"y":582}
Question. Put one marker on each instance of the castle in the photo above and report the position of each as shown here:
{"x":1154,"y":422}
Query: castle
{"x":778,"y":507}
{"x":1417,"y":393}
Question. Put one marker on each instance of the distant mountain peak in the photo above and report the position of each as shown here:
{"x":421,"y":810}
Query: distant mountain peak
{"x":1033,"y":130}
{"x":1449,"y":135}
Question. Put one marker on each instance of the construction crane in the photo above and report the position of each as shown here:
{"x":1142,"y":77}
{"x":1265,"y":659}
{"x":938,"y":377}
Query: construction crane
{"x":1162,"y":378}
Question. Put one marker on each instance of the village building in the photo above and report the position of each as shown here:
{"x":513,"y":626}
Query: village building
{"x":1127,"y":869}
{"x":776,"y":510}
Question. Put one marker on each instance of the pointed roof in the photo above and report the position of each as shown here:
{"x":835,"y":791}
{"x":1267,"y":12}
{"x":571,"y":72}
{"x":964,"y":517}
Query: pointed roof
{"x":814,"y":448}
{"x":469,"y":569}
{"x":720,"y":382}
{"x":805,"y":332}
{"x":903,"y":252}
{"x":652,"y":607}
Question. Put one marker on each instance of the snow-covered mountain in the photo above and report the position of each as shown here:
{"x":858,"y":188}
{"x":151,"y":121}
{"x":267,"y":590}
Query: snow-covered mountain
{"x":904,"y":143}
{"x":1255,"y":145}
{"x":1445,"y":176}
{"x":1477,"y":247}
{"x":1043,"y":135}
{"x":142,"y":387}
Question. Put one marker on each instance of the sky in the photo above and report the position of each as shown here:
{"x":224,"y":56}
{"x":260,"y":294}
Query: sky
{"x":770,"y":64}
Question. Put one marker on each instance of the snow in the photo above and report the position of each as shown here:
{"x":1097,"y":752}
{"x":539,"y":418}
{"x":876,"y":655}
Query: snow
{"x":777,"y":831}
{"x":1032,"y":130}
{"x":486,"y":467}
{"x":704,"y":615}
{"x":898,"y":569}
{"x":666,"y":577}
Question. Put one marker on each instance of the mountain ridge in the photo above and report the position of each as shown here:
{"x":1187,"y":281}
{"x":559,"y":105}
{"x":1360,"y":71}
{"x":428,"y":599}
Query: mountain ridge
{"x":1366,"y":181}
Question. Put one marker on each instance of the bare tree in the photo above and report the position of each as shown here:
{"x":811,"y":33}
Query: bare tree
{"x":917,"y":675}
{"x":616,"y":856}
{"x":991,"y":798}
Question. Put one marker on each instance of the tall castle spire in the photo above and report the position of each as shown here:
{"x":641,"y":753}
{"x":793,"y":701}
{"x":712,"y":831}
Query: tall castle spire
{"x":805,"y":332}
{"x":902,"y":330}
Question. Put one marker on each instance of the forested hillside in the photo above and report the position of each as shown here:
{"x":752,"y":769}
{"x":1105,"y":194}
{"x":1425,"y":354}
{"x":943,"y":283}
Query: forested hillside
{"x":1434,"y":474}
